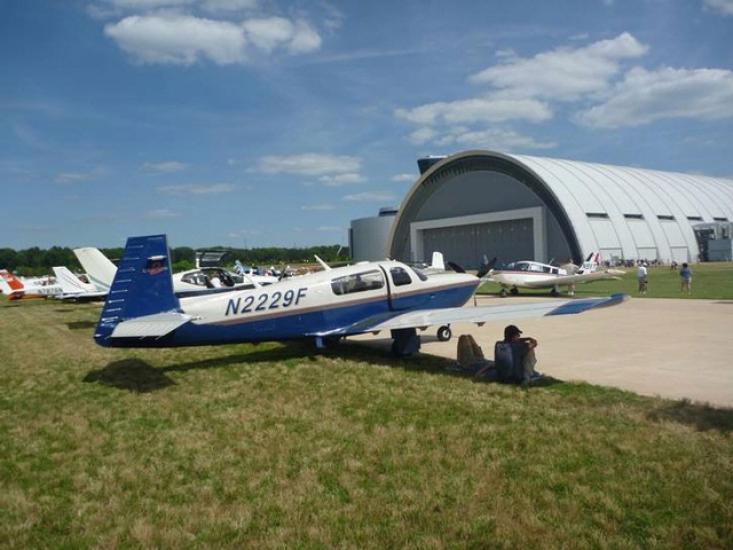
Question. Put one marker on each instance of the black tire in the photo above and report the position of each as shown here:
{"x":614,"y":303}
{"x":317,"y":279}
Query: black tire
{"x":514,"y":290}
{"x":444,"y":333}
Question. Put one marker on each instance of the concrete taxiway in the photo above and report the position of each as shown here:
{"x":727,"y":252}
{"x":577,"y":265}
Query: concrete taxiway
{"x":679,"y":349}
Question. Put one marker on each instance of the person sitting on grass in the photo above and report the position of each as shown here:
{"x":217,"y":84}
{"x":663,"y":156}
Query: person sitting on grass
{"x":515,"y":358}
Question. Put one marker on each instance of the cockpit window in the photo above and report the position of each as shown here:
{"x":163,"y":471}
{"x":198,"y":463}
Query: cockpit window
{"x":358,"y":282}
{"x":420,"y":274}
{"x":400,"y":276}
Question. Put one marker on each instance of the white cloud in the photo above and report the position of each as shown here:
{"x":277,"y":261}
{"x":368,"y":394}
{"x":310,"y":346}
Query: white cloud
{"x":273,"y":32}
{"x":305,"y":39}
{"x":178,"y":39}
{"x":403,"y":177}
{"x":341,"y":179}
{"x":479,"y":109}
{"x":193,"y":189}
{"x":422,"y":135}
{"x":370,"y":196}
{"x":174,"y":37}
{"x":562,"y":74}
{"x":309,"y":164}
{"x":161,"y":213}
{"x":317,"y":207}
{"x":645,"y":96}
{"x":721,"y":6}
{"x":166,"y":167}
{"x":495,"y":139}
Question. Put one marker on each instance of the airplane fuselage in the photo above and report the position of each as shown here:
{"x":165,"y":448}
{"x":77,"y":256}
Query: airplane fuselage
{"x":309,"y":305}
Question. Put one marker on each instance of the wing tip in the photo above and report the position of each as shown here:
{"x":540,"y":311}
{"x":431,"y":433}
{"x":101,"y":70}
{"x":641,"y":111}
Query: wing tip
{"x":579,"y":306}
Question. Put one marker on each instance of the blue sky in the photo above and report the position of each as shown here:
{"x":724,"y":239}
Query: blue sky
{"x":258,"y":123}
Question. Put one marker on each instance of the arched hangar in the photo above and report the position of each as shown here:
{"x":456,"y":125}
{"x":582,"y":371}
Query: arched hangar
{"x":522,"y":207}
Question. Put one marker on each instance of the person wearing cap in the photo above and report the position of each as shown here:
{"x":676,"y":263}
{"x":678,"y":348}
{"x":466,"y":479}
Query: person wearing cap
{"x":525,"y":346}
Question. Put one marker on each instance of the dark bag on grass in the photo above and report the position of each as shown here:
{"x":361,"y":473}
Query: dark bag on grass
{"x":508,"y":359}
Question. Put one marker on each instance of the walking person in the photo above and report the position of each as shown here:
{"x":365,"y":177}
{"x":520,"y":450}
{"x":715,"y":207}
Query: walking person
{"x":686,"y":279}
{"x":641,"y":276}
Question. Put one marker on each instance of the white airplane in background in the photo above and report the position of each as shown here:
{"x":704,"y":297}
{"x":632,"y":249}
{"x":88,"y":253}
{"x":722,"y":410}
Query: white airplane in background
{"x":16,"y":288}
{"x":204,"y":280}
{"x":73,"y":288}
{"x":530,"y":274}
{"x":143,"y":311}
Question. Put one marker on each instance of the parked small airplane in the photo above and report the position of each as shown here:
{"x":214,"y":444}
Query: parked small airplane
{"x":23,"y":289}
{"x":74,"y":289}
{"x":203,"y":280}
{"x":142,"y":310}
{"x":530,"y":274}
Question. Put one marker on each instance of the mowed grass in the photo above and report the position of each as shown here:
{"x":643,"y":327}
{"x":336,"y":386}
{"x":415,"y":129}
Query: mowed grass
{"x":271,"y":446}
{"x":712,"y":281}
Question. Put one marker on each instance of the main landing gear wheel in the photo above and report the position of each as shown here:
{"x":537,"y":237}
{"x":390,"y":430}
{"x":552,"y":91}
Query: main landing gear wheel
{"x":444,"y":333}
{"x":503,"y":292}
{"x":514,"y":291}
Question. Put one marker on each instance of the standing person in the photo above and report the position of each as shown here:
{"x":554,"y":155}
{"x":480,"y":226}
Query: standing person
{"x":686,"y":279}
{"x":641,"y":276}
{"x":571,"y":269}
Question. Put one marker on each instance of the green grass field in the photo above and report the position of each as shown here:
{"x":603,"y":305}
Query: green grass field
{"x":713,"y":281}
{"x":271,"y":446}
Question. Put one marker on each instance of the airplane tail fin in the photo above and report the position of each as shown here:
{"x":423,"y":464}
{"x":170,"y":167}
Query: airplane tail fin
{"x":141,"y":301}
{"x":4,"y":286}
{"x":591,"y":263}
{"x":100,"y":270}
{"x":13,"y":282}
{"x":438,"y":262}
{"x":70,"y":283}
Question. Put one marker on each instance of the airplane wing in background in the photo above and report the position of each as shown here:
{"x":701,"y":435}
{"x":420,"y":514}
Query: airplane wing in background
{"x":482,"y":314}
{"x":576,"y":279}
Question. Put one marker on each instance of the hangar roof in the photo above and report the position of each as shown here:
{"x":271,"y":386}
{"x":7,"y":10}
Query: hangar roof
{"x":608,"y":207}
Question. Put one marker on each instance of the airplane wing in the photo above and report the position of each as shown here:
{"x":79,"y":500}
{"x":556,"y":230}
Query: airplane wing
{"x":576,"y":279}
{"x":446,"y":316}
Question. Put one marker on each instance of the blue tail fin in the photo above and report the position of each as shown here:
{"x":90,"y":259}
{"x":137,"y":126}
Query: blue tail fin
{"x":142,"y":285}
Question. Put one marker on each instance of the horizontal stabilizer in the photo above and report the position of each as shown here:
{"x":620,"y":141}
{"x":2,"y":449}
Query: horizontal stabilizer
{"x":155,"y":325}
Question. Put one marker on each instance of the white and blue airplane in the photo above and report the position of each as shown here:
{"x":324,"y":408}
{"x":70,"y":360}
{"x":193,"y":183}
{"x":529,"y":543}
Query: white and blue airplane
{"x":143,"y":311}
{"x":531,"y":274}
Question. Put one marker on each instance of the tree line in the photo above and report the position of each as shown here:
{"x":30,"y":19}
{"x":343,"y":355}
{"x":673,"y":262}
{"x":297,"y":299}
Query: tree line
{"x":37,"y":261}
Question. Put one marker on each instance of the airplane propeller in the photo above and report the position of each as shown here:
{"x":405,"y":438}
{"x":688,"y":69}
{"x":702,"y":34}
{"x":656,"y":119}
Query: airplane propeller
{"x":455,"y":267}
{"x":486,"y":266}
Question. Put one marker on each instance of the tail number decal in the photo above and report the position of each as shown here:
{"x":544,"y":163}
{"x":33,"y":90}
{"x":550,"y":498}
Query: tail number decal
{"x":265,"y":301}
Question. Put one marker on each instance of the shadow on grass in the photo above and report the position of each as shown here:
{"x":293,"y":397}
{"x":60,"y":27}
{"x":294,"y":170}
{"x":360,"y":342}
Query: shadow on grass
{"x":130,"y":374}
{"x":701,"y":417}
{"x":139,"y":376}
{"x":77,"y":325}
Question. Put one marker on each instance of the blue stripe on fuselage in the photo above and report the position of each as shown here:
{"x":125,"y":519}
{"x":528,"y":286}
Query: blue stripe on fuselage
{"x":296,"y":325}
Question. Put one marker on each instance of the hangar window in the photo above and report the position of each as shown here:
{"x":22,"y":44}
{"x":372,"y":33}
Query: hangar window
{"x":358,"y":282}
{"x":400,"y":276}
{"x":720,"y":219}
{"x":599,"y":215}
{"x":694,"y":218}
{"x":633,"y":216}
{"x":665,"y":217}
